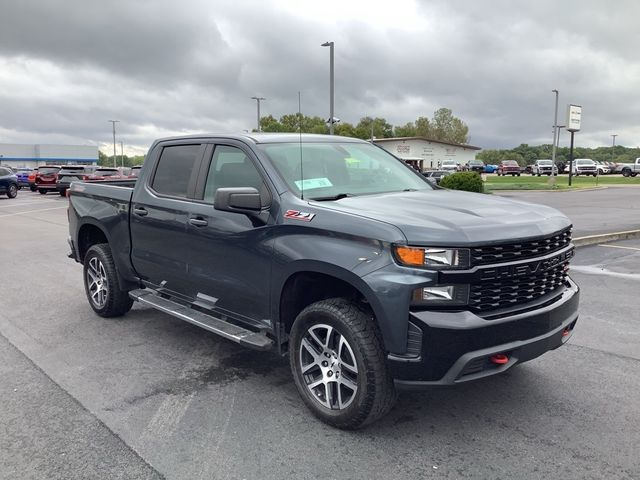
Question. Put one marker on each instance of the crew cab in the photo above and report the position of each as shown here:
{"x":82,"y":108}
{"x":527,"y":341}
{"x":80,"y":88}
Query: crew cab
{"x":296,"y":244}
{"x":584,"y":166}
{"x":509,"y":167}
{"x":544,"y":167}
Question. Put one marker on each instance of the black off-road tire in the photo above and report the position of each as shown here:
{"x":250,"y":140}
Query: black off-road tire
{"x":375,"y":395}
{"x":117,"y":301}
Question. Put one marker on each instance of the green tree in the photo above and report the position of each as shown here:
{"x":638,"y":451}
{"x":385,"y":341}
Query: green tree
{"x":406,"y":130}
{"x":381,"y":128}
{"x":447,"y":128}
{"x":423,"y":127}
{"x":345,"y":129}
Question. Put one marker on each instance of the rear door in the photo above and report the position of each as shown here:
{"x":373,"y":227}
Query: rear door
{"x":160,"y":210}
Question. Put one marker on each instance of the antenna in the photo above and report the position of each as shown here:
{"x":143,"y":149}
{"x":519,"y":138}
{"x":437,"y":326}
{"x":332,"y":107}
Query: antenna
{"x":300,"y":130}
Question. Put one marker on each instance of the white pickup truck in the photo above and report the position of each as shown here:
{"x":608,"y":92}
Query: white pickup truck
{"x":631,"y":169}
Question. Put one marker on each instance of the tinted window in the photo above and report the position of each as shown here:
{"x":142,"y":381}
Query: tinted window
{"x":230,"y":167}
{"x":48,"y":170}
{"x":4,"y":172}
{"x":174,"y":169}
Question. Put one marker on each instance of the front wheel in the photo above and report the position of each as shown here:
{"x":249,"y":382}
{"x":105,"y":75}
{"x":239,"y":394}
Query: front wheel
{"x":101,"y":283}
{"x":626,"y":173}
{"x":338,"y":364}
{"x":42,"y":191}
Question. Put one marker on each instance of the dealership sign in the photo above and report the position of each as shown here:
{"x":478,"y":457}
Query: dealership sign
{"x":574,"y":117}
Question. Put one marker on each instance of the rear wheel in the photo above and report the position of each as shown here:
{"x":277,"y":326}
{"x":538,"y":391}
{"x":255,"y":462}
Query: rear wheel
{"x":626,"y":172}
{"x":12,"y":192}
{"x":32,"y":188}
{"x":101,"y":283}
{"x":338,"y":364}
{"x":42,"y":191}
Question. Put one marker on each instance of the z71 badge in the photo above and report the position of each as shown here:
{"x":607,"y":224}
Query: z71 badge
{"x":296,"y":215}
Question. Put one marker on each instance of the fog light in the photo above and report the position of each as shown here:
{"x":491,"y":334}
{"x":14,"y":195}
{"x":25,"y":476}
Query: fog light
{"x":442,"y":295}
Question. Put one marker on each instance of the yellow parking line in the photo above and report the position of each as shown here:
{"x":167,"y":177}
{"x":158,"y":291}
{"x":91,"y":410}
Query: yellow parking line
{"x":620,"y":246}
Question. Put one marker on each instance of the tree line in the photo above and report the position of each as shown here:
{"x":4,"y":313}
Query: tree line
{"x":443,"y":126}
{"x":526,"y":154}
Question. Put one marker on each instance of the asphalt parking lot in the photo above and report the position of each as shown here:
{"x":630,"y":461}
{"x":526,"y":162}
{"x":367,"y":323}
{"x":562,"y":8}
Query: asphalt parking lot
{"x":149,"y":396}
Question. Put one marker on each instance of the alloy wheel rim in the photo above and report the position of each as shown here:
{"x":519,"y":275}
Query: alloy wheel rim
{"x":13,"y":189}
{"x":97,"y":283}
{"x":328,"y":366}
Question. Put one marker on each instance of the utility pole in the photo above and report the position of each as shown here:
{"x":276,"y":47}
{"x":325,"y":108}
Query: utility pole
{"x":258,"y":99}
{"x":613,"y":147}
{"x":331,"y":92}
{"x":555,"y":130}
{"x":121,"y":154}
{"x":113,"y":122}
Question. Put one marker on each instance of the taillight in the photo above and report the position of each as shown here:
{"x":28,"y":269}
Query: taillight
{"x":85,"y":177}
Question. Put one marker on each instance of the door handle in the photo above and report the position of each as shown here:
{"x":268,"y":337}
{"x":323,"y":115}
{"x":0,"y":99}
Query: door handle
{"x":140,"y":211}
{"x":198,"y":222}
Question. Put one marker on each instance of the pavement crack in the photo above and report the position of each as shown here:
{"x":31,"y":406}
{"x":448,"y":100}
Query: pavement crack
{"x":617,"y":355}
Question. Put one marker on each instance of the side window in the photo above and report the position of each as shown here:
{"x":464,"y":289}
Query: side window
{"x":3,"y":172}
{"x":174,"y":170}
{"x":230,"y":167}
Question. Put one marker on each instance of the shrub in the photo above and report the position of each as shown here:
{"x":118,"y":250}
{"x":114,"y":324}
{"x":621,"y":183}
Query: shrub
{"x":467,"y":181}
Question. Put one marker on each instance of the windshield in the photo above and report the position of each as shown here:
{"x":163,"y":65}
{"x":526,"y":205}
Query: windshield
{"x":341,"y":169}
{"x":510,"y":163}
{"x":585,"y":162}
{"x":544,"y":162}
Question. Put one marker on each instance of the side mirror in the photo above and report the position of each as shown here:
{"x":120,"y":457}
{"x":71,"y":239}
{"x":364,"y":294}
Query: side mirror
{"x":237,"y":200}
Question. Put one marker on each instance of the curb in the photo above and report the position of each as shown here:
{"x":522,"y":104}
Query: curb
{"x":605,"y":237}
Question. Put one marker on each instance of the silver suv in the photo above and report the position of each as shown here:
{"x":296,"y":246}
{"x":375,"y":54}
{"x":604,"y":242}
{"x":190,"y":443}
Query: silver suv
{"x":544,"y":167}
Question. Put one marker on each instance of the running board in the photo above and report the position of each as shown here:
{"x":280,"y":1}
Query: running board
{"x":227,"y":330}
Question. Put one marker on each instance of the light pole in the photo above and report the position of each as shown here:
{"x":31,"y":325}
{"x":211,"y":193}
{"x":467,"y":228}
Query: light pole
{"x":113,"y":122}
{"x":121,"y":154}
{"x":258,"y":99}
{"x":613,"y":147}
{"x":555,"y":130}
{"x":331,"y":93}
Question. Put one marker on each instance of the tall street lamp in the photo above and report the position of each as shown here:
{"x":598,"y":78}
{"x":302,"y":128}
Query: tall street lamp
{"x":555,"y":130}
{"x":613,"y":146}
{"x":258,"y":99}
{"x":331,"y":119}
{"x":113,"y":122}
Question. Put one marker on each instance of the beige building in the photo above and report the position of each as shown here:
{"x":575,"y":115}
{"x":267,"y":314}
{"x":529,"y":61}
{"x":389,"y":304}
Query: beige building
{"x":427,"y":154}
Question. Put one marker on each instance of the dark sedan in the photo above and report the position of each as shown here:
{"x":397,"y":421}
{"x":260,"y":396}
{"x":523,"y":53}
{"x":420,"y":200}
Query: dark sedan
{"x":8,"y":182}
{"x":437,"y":175}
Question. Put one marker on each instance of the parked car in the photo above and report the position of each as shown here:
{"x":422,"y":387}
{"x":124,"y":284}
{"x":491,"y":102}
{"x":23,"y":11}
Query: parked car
{"x":437,"y":175}
{"x":8,"y":182}
{"x":68,"y":174}
{"x":490,"y":168}
{"x":23,"y":176}
{"x":509,"y":167}
{"x":584,"y":166}
{"x":603,"y":168}
{"x":46,"y":178}
{"x":630,"y":169}
{"x":450,"y":166}
{"x":103,"y":173}
{"x":277,"y":249}
{"x":135,"y":171}
{"x":32,"y":179}
{"x":544,"y":167}
{"x":476,"y":166}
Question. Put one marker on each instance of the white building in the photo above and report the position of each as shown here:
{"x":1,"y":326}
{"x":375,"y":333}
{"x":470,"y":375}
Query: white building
{"x":427,"y":154}
{"x":16,"y":155}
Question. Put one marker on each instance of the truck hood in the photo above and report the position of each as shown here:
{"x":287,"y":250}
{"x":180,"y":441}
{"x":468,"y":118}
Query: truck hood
{"x":447,"y":217}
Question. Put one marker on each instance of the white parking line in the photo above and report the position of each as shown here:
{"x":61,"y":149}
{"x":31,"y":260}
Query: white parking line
{"x":620,"y":246}
{"x":27,"y":203}
{"x":593,"y":270}
{"x":31,"y":211}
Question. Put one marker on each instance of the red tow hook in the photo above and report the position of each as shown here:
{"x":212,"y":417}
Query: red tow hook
{"x":566,"y":331}
{"x":499,"y":359}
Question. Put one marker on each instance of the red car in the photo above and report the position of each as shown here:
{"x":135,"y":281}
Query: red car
{"x":46,"y":178}
{"x":32,"y":179}
{"x":509,"y":167}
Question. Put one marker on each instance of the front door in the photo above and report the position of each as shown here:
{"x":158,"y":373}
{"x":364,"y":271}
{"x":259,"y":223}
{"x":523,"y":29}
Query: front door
{"x":230,"y":254}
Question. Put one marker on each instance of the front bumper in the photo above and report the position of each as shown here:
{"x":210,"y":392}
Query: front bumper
{"x":457,"y":346}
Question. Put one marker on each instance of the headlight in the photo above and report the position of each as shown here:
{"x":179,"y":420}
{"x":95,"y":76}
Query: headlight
{"x":431,"y":257}
{"x":442,"y":295}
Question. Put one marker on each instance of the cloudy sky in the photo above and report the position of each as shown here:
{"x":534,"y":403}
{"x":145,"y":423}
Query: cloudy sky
{"x":165,"y":67}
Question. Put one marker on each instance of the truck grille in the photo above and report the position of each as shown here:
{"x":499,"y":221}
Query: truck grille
{"x":515,"y":290}
{"x":521,"y":250}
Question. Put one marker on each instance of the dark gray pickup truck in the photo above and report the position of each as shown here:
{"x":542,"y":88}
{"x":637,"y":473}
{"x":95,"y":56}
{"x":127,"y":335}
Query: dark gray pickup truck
{"x":334,"y":252}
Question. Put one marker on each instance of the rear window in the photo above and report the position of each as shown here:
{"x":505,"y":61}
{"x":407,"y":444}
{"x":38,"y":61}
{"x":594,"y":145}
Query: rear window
{"x":174,"y":170}
{"x":48,"y":170}
{"x":107,"y":172}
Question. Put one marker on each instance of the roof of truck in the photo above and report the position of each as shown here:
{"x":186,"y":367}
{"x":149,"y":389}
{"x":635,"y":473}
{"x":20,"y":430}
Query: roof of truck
{"x":271,"y":137}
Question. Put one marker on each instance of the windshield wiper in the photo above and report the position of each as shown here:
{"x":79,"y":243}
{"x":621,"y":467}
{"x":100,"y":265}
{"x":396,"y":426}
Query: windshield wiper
{"x":339,"y":196}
